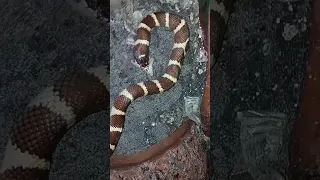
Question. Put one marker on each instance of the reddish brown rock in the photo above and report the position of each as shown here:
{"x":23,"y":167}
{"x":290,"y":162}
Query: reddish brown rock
{"x":180,"y":156}
{"x":205,"y":108}
{"x":305,"y":137}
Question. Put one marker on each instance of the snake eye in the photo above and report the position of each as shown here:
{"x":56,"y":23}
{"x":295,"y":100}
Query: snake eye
{"x":141,"y":55}
{"x":142,"y":60}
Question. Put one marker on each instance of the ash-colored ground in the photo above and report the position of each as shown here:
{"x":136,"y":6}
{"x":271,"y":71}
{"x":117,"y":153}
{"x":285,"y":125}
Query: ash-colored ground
{"x":41,"y":41}
{"x":153,"y":118}
{"x":261,"y":68}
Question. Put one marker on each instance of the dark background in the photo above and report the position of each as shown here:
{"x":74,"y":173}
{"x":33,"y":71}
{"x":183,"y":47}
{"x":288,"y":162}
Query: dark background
{"x":260,"y":68}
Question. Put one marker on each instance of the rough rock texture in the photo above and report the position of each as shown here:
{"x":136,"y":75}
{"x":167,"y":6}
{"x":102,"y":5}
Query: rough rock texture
{"x":263,"y":144}
{"x":153,"y":118}
{"x":261,"y":68}
{"x":185,"y":159}
{"x":41,"y":41}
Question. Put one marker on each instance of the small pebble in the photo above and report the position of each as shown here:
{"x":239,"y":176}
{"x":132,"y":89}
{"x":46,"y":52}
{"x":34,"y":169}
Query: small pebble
{"x":289,"y":32}
{"x":275,"y":87}
{"x":290,"y":8}
{"x":257,"y":74}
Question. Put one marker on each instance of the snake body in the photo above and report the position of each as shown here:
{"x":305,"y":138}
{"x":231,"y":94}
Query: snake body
{"x":46,"y":119}
{"x":141,"y":53}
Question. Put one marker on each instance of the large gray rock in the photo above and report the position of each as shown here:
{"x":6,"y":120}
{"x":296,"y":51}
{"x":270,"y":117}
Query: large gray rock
{"x":151,"y":119}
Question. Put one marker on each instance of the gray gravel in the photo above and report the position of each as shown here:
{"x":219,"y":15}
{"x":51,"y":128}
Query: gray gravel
{"x":261,"y":68}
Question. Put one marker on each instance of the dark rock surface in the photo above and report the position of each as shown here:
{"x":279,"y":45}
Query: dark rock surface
{"x":261,"y":68}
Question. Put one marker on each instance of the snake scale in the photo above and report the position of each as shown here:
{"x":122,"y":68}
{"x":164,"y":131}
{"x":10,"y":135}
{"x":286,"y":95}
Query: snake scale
{"x":47,"y":118}
{"x":52,"y":112}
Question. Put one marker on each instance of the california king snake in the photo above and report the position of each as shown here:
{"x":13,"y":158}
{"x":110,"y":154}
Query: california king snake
{"x":141,"y":54}
{"x":46,"y":119}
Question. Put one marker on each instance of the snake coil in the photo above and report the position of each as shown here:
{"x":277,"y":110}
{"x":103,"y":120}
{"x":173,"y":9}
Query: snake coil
{"x":47,"y":118}
{"x":127,"y":96}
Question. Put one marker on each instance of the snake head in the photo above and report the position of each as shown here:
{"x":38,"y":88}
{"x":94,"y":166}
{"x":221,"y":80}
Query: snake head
{"x":143,"y":61}
{"x":141,"y":58}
